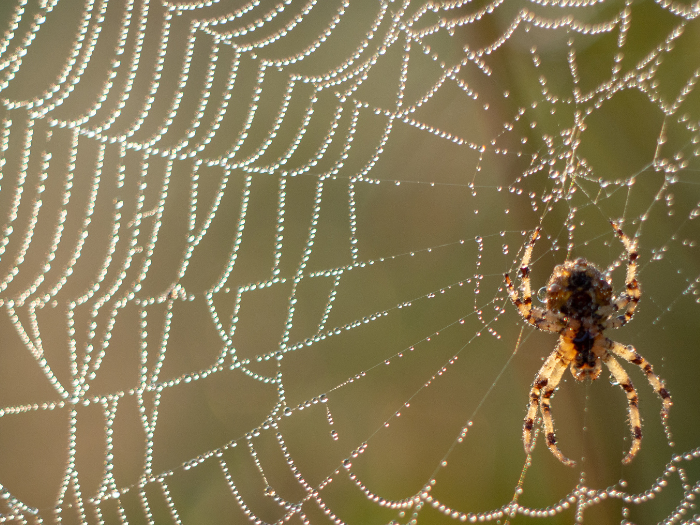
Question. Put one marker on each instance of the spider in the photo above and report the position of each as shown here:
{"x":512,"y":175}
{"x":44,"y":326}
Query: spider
{"x":579,"y":306}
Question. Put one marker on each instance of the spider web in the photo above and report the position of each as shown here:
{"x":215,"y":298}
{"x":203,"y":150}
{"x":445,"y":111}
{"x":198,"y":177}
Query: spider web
{"x":252,"y":258}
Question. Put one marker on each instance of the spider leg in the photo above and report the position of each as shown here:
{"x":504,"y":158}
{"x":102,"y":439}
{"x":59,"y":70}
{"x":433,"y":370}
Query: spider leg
{"x":627,"y":301}
{"x":546,"y":382}
{"x":628,"y":353}
{"x":632,"y":402}
{"x":525,"y":264}
{"x":534,"y":315}
{"x":537,"y":317}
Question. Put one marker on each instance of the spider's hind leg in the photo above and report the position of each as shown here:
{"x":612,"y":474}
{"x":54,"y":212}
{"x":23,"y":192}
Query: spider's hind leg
{"x":524,"y":305}
{"x":525,"y":263}
{"x":627,"y":302}
{"x":534,"y":315}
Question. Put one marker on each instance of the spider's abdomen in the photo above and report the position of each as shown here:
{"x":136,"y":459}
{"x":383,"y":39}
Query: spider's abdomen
{"x":578,"y":289}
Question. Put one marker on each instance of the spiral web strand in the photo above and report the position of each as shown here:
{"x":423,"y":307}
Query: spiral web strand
{"x":252,"y":255}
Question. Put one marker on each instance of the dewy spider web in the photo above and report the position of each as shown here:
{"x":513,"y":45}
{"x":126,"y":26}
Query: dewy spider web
{"x":252,"y":257}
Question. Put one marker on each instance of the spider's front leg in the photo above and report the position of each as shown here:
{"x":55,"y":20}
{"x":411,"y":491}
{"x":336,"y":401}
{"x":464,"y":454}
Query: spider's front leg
{"x":632,"y":402}
{"x":546,"y":382}
{"x":628,"y":353}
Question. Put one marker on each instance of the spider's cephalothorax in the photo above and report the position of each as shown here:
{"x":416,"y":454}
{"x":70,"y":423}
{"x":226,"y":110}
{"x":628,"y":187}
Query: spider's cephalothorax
{"x":580,"y":306}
